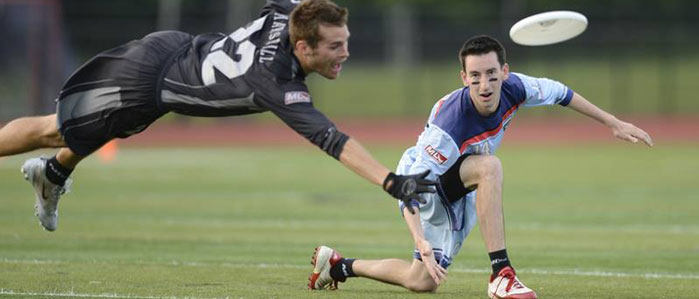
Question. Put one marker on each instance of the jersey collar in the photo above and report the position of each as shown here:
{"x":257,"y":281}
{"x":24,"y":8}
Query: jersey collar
{"x":296,"y":69}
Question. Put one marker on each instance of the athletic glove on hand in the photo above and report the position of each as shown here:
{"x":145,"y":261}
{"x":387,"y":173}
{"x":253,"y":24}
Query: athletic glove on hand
{"x":406,"y":187}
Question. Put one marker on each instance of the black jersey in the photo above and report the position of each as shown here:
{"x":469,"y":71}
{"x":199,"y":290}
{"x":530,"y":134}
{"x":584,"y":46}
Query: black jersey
{"x":251,"y":70}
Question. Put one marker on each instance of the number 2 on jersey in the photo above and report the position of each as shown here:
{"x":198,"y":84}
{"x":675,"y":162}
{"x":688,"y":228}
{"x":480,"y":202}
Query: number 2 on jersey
{"x":219,"y":60}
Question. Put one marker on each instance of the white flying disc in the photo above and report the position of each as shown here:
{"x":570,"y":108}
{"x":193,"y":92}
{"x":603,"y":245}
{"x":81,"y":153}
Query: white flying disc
{"x":548,"y":28}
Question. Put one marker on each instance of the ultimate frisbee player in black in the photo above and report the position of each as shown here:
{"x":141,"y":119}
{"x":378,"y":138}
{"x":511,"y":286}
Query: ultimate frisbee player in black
{"x":260,"y":67}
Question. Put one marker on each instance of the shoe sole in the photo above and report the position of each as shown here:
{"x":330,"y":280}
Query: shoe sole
{"x":526,"y":296}
{"x":531,"y":295}
{"x":314,"y":259}
{"x":317,"y":269}
{"x":316,"y":272}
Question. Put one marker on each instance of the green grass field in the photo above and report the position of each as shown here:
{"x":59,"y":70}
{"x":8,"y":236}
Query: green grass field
{"x":594,"y":221}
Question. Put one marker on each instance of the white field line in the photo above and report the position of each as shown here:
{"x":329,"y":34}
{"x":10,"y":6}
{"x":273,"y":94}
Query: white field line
{"x":570,"y":272}
{"x":579,"y":272}
{"x":72,"y":294}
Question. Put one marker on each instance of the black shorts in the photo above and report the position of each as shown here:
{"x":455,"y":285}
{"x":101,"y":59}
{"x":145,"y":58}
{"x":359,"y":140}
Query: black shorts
{"x":114,"y":94}
{"x":450,"y":186}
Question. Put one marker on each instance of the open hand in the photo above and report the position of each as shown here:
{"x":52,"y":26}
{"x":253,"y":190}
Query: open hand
{"x":629,"y":132}
{"x":436,"y":271}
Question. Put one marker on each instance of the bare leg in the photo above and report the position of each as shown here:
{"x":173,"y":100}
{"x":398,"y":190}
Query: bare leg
{"x":485,"y":172}
{"x":67,"y":158}
{"x":29,"y":133}
{"x":398,"y":272}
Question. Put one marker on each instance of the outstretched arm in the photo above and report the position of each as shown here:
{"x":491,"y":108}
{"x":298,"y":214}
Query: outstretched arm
{"x":356,"y":158}
{"x":620,"y":129}
{"x":402,"y":187}
{"x":310,"y":123}
{"x":542,"y":91}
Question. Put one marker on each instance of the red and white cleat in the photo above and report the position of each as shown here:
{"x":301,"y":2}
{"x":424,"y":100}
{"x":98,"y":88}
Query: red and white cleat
{"x":323,"y":259}
{"x":506,"y":286}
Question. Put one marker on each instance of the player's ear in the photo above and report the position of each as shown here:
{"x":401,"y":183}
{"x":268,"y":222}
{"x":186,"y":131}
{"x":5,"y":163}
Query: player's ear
{"x":464,"y":78}
{"x":302,"y":47}
{"x":505,"y":71}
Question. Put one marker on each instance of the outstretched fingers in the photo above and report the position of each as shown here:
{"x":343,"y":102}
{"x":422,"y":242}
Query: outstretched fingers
{"x":645,"y":137}
{"x":409,"y":207}
{"x":629,"y":138}
{"x":425,"y":188}
{"x":636,"y":135}
{"x":436,"y":271}
{"x":633,"y":134}
{"x":423,"y":185}
{"x":441,"y":273}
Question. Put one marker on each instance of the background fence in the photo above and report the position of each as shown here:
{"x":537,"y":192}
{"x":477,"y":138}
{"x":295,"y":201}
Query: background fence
{"x":637,"y":57}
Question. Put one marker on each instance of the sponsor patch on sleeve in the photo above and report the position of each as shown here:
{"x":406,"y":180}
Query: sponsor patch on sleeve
{"x":293,"y":97}
{"x":435,"y":154}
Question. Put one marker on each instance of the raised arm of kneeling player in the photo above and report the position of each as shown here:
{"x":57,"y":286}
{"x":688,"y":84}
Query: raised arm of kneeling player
{"x":620,"y":129}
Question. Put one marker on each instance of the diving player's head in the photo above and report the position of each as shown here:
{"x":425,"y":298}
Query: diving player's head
{"x":483,"y":69}
{"x":318,"y":32}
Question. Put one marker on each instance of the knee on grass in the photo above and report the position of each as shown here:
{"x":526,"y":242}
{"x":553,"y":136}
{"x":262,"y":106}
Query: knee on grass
{"x":424,"y":285}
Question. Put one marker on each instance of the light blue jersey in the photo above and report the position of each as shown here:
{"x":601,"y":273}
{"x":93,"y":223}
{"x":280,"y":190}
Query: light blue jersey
{"x":455,"y":128}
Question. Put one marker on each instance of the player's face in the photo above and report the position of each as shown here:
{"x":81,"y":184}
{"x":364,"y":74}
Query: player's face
{"x":484,"y":75}
{"x":327,"y":57}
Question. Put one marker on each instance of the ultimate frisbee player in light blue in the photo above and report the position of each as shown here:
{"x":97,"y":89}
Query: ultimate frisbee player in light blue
{"x":463,"y":132}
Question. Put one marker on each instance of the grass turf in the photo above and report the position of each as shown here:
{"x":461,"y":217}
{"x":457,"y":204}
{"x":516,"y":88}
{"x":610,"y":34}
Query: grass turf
{"x":594,"y":221}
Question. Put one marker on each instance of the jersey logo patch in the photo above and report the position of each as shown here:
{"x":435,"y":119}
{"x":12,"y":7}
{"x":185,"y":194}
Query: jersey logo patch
{"x":435,"y":154}
{"x":294,"y":97}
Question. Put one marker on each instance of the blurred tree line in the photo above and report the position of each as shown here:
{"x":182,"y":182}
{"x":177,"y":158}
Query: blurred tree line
{"x":435,"y":26}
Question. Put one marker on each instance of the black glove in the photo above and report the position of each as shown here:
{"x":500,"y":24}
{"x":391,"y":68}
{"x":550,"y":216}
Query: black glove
{"x":406,"y":187}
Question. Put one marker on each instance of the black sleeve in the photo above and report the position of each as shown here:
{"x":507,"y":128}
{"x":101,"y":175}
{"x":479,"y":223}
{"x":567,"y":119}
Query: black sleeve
{"x":291,"y":102}
{"x":280,"y":6}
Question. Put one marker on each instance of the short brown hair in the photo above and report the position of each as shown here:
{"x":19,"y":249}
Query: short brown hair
{"x":479,"y":45}
{"x":307,"y":16}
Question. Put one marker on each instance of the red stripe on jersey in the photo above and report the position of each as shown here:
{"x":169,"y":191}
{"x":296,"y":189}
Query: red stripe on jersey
{"x":440,"y":103}
{"x":485,"y":135}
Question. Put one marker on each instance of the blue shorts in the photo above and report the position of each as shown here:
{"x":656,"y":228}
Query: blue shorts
{"x":445,"y":224}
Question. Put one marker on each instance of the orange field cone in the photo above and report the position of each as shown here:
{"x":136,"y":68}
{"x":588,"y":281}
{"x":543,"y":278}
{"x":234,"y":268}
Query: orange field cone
{"x":108,"y":152}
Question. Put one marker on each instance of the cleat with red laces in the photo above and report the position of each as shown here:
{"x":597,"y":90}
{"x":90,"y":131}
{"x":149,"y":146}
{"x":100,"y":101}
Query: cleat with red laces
{"x":506,"y":286}
{"x":323,"y":259}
